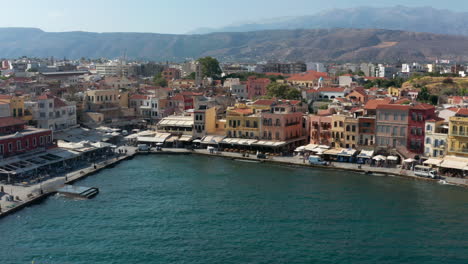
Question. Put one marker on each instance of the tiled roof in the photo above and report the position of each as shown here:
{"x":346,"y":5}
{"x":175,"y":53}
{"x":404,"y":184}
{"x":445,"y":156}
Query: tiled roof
{"x":264,"y":102}
{"x":10,"y":121}
{"x":58,"y":102}
{"x":138,"y":97}
{"x":423,"y":106}
{"x":393,"y":107}
{"x":243,"y":111}
{"x":308,"y":76}
{"x":462,"y":112}
{"x":331,"y":89}
{"x":372,"y":104}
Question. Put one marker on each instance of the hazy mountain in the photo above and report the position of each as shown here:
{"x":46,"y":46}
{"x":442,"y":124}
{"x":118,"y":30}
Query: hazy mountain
{"x":306,"y":45}
{"x":416,"y":19}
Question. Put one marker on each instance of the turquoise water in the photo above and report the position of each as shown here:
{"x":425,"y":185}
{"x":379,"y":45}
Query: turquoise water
{"x":190,"y":209}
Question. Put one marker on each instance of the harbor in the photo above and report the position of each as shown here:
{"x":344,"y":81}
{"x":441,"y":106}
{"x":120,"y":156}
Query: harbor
{"x":267,"y":211}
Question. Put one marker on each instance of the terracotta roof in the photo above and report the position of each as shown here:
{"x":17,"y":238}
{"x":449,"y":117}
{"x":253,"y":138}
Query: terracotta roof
{"x":423,"y":106}
{"x":402,"y":101}
{"x":393,"y":107}
{"x":139,"y":97}
{"x":243,"y":111}
{"x":361,"y":92}
{"x":5,"y":96}
{"x":58,"y":102}
{"x":453,"y":109}
{"x":10,"y":121}
{"x":331,"y":89}
{"x":308,"y":76}
{"x":372,"y":104}
{"x":327,"y":112}
{"x":312,"y":91}
{"x":462,"y":112}
{"x":264,"y":102}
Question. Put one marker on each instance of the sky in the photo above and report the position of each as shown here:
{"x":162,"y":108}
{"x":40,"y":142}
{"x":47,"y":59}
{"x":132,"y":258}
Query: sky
{"x":174,"y":16}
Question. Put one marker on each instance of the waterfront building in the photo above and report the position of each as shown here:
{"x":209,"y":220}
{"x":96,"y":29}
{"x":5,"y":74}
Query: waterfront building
{"x":366,"y":132}
{"x":54,"y":113}
{"x":106,"y":102}
{"x":435,"y":144}
{"x":320,"y":129}
{"x":418,"y":114}
{"x":392,"y":126}
{"x":16,"y":138}
{"x":351,"y":133}
{"x":282,"y":123}
{"x":242,"y":122}
{"x":458,"y":134}
{"x":338,"y":131}
{"x":176,"y":125}
{"x":206,"y":122}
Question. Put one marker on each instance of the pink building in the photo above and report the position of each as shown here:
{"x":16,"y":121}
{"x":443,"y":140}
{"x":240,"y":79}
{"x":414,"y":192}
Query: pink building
{"x":256,"y":87}
{"x":320,"y":129}
{"x":282,"y":123}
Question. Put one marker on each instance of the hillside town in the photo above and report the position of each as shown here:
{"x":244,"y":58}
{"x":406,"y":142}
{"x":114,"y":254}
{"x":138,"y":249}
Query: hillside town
{"x":58,"y":115}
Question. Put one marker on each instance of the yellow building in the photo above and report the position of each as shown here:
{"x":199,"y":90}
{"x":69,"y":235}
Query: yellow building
{"x":458,"y":134}
{"x":242,"y":122}
{"x":351,"y":133}
{"x":123,"y":99}
{"x":393,"y":91}
{"x":17,"y":107}
{"x":338,"y":131}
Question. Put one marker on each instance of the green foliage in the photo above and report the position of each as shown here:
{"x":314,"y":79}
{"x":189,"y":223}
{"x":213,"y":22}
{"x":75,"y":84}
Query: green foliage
{"x":384,"y":83}
{"x":210,"y":67}
{"x":323,"y":107}
{"x":426,"y":97}
{"x":283,"y":91}
{"x":191,"y":76}
{"x":158,"y":80}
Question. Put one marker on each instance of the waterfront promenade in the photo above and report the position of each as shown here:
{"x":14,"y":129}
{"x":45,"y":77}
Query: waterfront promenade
{"x":25,"y":195}
{"x":28,"y":194}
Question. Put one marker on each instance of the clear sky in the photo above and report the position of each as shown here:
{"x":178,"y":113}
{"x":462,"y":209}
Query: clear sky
{"x":173,"y":16}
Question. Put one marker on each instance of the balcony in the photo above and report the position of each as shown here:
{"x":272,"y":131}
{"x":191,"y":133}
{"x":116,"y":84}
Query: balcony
{"x":459,"y":150}
{"x":460,"y":134}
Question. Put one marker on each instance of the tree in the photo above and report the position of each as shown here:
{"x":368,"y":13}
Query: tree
{"x":191,"y":76}
{"x":210,"y":67}
{"x":282,"y":91}
{"x":158,"y":80}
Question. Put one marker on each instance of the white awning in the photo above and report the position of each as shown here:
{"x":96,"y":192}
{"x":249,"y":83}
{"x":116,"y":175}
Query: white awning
{"x":451,"y":162}
{"x":212,"y":139}
{"x":366,"y":154}
{"x":379,"y":157}
{"x":409,"y":160}
{"x":347,"y":152}
{"x":332,"y":151}
{"x":185,"y":138}
{"x":435,"y":162}
{"x":299,"y":149}
{"x":392,"y":158}
{"x":310,"y":147}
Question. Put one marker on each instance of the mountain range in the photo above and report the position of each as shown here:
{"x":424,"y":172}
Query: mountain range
{"x":415,"y":19}
{"x":327,"y":45}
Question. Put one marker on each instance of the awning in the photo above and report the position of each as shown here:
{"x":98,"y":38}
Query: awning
{"x":239,"y":141}
{"x":212,"y":139}
{"x":347,"y":152}
{"x":434,"y":162}
{"x":379,"y":157}
{"x":158,"y":138}
{"x":310,"y":147}
{"x":185,"y":138}
{"x":266,"y":143}
{"x":172,"y":139}
{"x":409,"y":160}
{"x":196,"y":141}
{"x":366,"y":154}
{"x":392,"y":158}
{"x":299,"y":149}
{"x":451,"y":162}
{"x":333,"y":152}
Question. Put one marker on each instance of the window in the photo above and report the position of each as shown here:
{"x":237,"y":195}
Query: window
{"x":18,"y":145}
{"x":41,"y":140}
{"x":428,"y":140}
{"x":1,"y":149}
{"x":386,"y":116}
{"x":395,"y":116}
{"x":395,"y":131}
{"x":10,"y":147}
{"x":402,"y":131}
{"x":27,"y":143}
{"x":277,"y":135}
{"x":428,"y":127}
{"x":34,"y":142}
